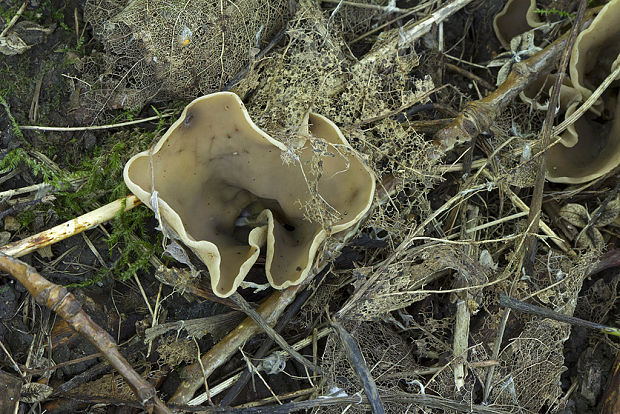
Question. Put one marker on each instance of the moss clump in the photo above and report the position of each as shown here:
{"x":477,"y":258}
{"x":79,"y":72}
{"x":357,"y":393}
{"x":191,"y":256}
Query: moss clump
{"x":104,"y":183}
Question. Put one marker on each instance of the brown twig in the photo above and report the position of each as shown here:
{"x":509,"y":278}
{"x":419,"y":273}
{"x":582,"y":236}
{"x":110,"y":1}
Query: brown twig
{"x":192,"y":375}
{"x":478,"y":116}
{"x":61,"y":301}
{"x":276,"y":337}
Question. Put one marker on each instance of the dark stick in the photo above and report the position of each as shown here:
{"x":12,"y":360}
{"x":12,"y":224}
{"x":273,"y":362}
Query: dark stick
{"x":508,"y":302}
{"x":291,"y":311}
{"x":354,"y":353}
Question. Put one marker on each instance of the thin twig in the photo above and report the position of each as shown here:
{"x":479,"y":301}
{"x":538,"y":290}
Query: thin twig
{"x":486,"y":85}
{"x":276,"y":337}
{"x":14,"y":19}
{"x":192,"y":375}
{"x":539,"y":186}
{"x":291,"y":311}
{"x":385,"y":9}
{"x":96,"y":127}
{"x":508,"y":302}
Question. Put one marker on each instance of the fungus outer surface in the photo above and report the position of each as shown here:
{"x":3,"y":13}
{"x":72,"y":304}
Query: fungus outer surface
{"x":214,"y":169}
{"x":596,"y":51}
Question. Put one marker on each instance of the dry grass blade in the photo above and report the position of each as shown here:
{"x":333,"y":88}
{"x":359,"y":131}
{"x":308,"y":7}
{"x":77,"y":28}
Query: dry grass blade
{"x":58,"y":299}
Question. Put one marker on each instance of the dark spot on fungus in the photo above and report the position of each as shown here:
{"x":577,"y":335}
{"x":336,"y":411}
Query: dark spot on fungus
{"x":298,"y":268}
{"x":188,"y":119}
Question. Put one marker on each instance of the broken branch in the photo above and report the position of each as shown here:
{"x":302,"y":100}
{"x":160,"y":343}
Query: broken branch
{"x":61,"y":301}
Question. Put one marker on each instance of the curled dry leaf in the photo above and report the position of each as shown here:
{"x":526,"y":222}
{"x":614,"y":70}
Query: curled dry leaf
{"x":578,"y":216}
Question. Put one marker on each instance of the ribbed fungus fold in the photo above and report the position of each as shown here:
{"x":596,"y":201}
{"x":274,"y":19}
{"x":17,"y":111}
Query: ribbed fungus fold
{"x":226,"y":189}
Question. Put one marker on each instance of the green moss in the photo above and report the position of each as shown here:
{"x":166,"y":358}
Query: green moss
{"x":13,"y":159}
{"x":132,"y":231}
{"x":26,"y":218}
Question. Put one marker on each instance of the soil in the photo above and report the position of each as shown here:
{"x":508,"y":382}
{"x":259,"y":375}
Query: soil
{"x":109,"y":272}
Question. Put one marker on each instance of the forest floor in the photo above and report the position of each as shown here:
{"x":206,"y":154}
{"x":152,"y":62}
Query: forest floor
{"x":407,"y":316}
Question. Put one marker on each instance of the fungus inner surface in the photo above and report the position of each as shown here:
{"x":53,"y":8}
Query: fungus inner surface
{"x":216,"y":169}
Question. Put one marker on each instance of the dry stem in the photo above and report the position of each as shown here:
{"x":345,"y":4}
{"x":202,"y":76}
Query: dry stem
{"x":478,"y":116}
{"x":539,"y":187}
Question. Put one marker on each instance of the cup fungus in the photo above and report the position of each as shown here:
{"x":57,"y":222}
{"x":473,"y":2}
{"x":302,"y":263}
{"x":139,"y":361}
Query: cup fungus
{"x":221,"y":184}
{"x":518,"y":16}
{"x":596,"y":150}
{"x":590,"y":147}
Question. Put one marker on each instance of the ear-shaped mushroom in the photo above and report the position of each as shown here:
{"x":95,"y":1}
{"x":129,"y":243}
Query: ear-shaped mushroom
{"x":538,"y":92}
{"x":516,"y":17}
{"x":596,"y":152}
{"x":597,"y":149}
{"x":596,"y":52}
{"x":216,"y":174}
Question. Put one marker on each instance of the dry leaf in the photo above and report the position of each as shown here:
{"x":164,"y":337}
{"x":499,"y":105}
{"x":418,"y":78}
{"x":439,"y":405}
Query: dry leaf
{"x":575,"y":214}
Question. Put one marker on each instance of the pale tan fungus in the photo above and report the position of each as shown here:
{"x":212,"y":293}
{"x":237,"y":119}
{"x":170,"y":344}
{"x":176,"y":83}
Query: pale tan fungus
{"x":597,"y":133}
{"x":214,"y":167}
{"x":596,"y":51}
{"x":537,"y":95}
{"x":517,"y":16}
{"x":596,"y":152}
